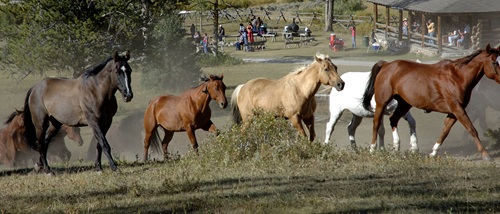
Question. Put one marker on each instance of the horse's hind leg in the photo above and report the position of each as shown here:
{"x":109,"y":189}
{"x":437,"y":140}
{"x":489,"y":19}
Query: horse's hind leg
{"x":448,"y":123}
{"x":164,"y":143}
{"x":401,"y":110}
{"x":351,"y":129}
{"x":41,"y":125}
{"x":413,"y":132}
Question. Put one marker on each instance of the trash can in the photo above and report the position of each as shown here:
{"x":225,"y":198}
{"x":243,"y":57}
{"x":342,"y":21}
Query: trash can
{"x":366,"y":40}
{"x":332,"y":39}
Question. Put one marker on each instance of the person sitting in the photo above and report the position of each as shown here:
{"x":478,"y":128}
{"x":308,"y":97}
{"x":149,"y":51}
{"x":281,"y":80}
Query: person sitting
{"x":452,"y":37}
{"x":463,"y":41}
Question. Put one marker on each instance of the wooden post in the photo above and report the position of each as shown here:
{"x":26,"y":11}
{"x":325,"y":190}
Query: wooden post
{"x":375,"y":11}
{"x":410,"y":22}
{"x":400,"y":28}
{"x":423,"y":30}
{"x":387,"y":19}
{"x":439,"y":35}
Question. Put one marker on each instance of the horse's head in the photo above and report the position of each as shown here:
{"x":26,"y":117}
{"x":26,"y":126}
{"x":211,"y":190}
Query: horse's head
{"x":123,"y":77}
{"x":73,"y":133}
{"x":328,"y":74}
{"x":491,"y":66}
{"x":217,"y":90}
{"x":16,"y":118}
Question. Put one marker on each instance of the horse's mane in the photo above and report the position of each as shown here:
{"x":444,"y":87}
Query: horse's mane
{"x":204,"y":78}
{"x":95,"y":70}
{"x":11,"y":117}
{"x":301,"y":68}
{"x":465,"y":60}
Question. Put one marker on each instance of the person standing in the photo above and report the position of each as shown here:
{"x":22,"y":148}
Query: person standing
{"x":430,"y":30}
{"x":405,"y":26}
{"x":205,"y":43}
{"x":193,"y":30}
{"x":222,"y":32}
{"x":353,"y":35}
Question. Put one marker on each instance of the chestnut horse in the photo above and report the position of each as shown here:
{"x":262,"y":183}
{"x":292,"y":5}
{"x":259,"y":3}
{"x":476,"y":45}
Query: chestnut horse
{"x":291,"y":96}
{"x":13,"y":146}
{"x":88,"y":100}
{"x":444,"y":87}
{"x":186,"y":112}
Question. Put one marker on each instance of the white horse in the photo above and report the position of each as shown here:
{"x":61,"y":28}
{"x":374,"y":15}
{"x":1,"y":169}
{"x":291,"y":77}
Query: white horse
{"x":351,"y":99}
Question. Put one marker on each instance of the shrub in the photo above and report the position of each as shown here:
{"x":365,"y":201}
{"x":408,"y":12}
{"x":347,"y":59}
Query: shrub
{"x":264,"y":138}
{"x":222,"y":59}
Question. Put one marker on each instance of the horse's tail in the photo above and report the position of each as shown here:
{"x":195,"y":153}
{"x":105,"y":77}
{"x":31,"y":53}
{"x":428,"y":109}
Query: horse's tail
{"x":30,"y":131}
{"x":235,"y":110}
{"x":370,"y":85}
{"x":155,"y":142}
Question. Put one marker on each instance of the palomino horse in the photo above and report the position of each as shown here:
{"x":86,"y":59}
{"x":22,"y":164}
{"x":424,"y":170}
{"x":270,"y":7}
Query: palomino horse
{"x":187,"y":112}
{"x":13,"y":146}
{"x":88,"y":100}
{"x":350,"y":98}
{"x":444,"y":87}
{"x":291,"y":96}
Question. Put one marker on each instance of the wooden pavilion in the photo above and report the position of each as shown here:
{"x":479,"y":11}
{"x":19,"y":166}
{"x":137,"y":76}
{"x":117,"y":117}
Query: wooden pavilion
{"x":447,"y":15}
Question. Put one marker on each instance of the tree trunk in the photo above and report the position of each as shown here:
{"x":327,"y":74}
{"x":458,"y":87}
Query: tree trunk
{"x":216,"y":26}
{"x":329,"y":15}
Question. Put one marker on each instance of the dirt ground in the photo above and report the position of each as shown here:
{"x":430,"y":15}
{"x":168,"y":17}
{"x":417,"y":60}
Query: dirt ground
{"x":429,"y":127}
{"x":127,"y":143}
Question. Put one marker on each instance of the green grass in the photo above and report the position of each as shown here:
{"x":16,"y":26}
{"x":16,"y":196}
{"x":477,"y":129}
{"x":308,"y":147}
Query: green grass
{"x":264,"y":168}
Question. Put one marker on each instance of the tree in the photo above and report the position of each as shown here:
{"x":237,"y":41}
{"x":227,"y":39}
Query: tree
{"x":329,"y":12}
{"x":73,"y":34}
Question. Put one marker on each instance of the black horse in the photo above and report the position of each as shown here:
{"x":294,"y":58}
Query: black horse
{"x":88,"y":100}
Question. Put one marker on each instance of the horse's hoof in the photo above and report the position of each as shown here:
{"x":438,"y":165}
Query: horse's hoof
{"x":37,"y":168}
{"x":487,"y":158}
{"x":99,"y":172}
{"x":414,"y":150}
{"x":50,"y":174}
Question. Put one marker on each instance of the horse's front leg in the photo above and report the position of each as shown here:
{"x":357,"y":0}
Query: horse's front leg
{"x":192,"y":137}
{"x":210,"y":127}
{"x":297,"y":123}
{"x":100,"y":131}
{"x":309,"y":122}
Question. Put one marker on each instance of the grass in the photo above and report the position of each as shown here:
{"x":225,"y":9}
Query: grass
{"x":263,"y":169}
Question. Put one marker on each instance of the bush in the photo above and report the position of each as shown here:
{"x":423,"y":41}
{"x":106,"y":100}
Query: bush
{"x":222,"y":59}
{"x":264,"y":138}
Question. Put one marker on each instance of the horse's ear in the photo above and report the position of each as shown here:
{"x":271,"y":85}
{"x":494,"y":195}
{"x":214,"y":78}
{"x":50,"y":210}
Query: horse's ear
{"x":127,"y":55}
{"x":316,"y":58}
{"x":222,"y":76}
{"x":116,"y":56}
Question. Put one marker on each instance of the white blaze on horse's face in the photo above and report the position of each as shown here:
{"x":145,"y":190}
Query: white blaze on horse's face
{"x":124,"y":82}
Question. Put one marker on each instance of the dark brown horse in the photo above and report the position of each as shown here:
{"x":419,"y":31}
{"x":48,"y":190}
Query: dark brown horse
{"x":88,"y":100}
{"x":15,"y":150}
{"x":442,"y":87}
{"x":187,"y":112}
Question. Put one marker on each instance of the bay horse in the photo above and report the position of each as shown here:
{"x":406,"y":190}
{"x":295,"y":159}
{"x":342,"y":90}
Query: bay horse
{"x":186,"y":112}
{"x":445,"y":87}
{"x":291,"y":96}
{"x":13,"y":146}
{"x":351,"y":99}
{"x":88,"y":100}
